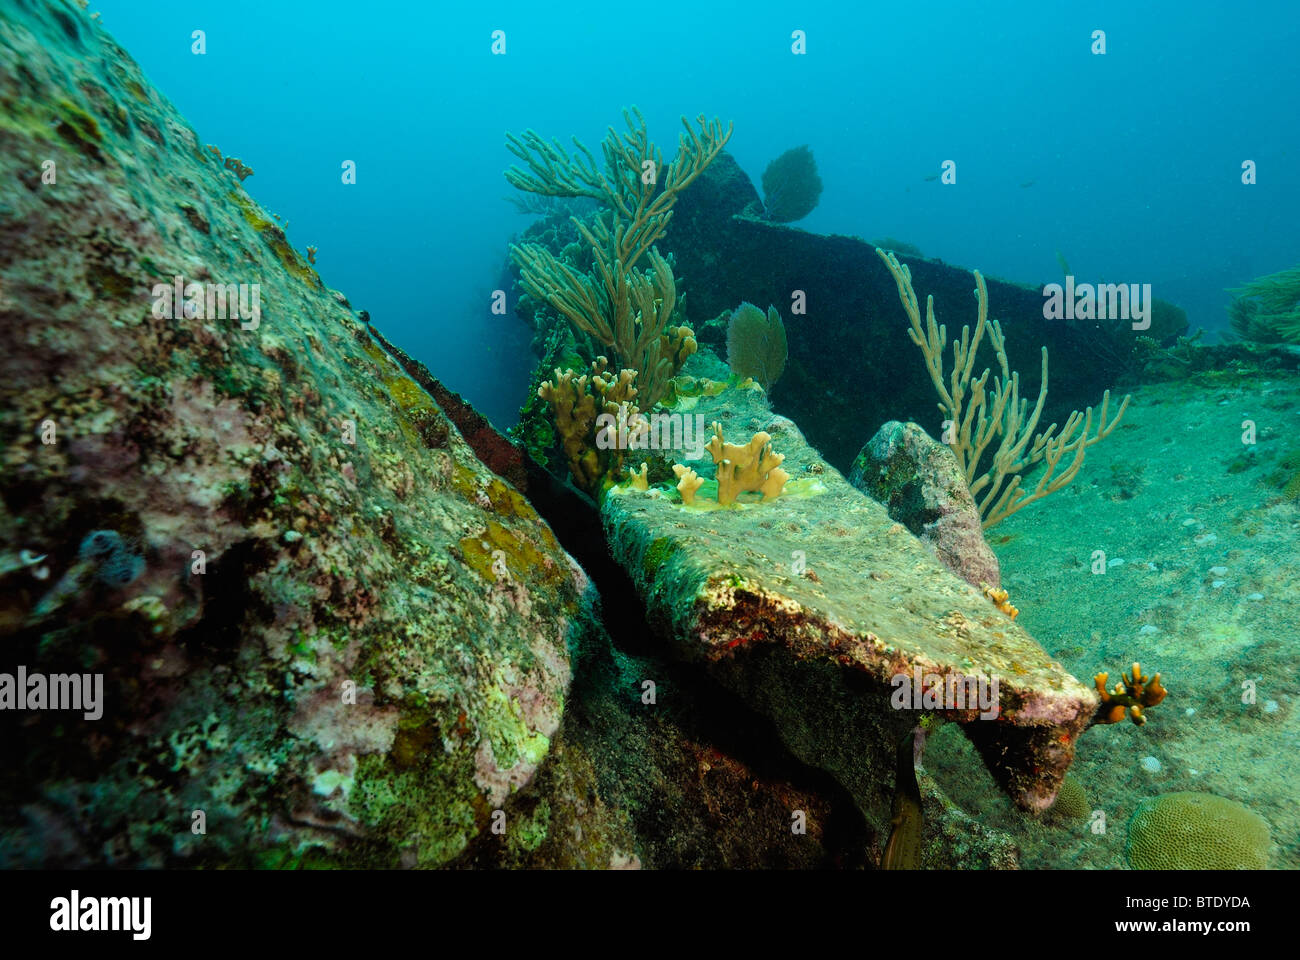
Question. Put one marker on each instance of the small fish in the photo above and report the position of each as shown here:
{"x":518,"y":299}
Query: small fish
{"x":103,"y":557}
{"x":1028,"y":183}
{"x":903,"y":849}
{"x":933,"y":176}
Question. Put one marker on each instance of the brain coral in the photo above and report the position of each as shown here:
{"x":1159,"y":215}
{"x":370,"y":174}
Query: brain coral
{"x":1071,"y":800}
{"x":1196,"y":831}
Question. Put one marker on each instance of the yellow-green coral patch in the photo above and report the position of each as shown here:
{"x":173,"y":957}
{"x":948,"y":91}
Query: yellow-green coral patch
{"x":273,"y":236}
{"x":521,"y":557}
{"x":78,"y":128}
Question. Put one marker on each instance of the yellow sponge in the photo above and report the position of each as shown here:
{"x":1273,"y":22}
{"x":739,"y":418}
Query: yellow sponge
{"x":751,"y":467}
{"x":1196,"y":831}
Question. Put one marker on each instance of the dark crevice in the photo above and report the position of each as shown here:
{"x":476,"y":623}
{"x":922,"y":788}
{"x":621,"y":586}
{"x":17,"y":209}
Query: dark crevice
{"x":703,"y":710}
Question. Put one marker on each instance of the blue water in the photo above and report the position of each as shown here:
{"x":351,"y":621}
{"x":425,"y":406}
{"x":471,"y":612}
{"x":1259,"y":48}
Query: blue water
{"x":1134,"y":158}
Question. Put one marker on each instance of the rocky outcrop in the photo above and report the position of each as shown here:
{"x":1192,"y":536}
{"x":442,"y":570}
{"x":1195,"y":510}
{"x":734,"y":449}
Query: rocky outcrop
{"x":656,"y":766}
{"x":327,"y":633}
{"x":815,"y":607}
{"x":920,"y":484}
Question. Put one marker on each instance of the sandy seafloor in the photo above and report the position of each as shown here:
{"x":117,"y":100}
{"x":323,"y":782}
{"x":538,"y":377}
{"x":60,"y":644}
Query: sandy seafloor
{"x":1202,"y":545}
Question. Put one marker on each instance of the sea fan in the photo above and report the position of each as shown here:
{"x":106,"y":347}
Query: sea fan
{"x":756,"y":344}
{"x":1267,"y":309}
{"x":791,"y":187}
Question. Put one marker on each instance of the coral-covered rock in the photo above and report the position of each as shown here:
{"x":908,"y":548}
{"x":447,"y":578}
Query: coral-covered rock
{"x":811,"y":607}
{"x":956,"y":840}
{"x":326,"y":631}
{"x":918,"y":481}
{"x":684,"y":777}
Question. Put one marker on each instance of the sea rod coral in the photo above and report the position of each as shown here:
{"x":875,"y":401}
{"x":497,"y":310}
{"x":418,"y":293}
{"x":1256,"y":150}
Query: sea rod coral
{"x":971,"y":429}
{"x":624,"y":307}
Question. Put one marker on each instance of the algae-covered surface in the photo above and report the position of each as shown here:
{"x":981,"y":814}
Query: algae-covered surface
{"x":1201,"y":539}
{"x":317,"y":619}
{"x":337,"y":620}
{"x":818,"y":645}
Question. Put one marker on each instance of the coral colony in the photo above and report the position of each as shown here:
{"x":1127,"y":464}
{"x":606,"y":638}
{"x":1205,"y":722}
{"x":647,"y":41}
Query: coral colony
{"x":264,"y":572}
